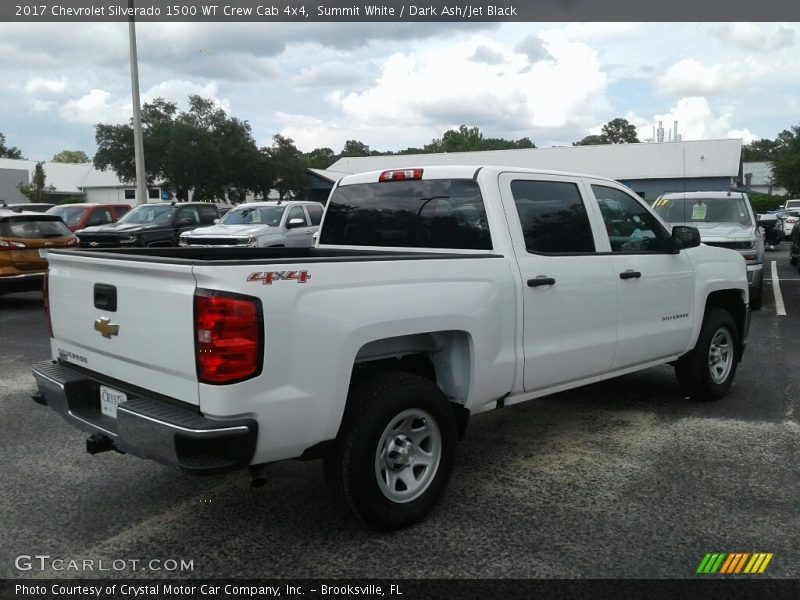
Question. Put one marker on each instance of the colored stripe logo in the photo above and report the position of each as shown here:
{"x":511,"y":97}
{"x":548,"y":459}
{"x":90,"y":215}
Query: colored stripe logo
{"x":734,"y":563}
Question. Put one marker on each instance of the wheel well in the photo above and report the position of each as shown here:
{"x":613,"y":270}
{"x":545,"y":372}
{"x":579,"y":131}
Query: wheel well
{"x":443,"y":358}
{"x":731,"y":301}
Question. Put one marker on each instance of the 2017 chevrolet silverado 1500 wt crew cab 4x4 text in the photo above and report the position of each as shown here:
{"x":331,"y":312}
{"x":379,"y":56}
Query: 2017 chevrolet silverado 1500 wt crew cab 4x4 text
{"x":433,"y":293}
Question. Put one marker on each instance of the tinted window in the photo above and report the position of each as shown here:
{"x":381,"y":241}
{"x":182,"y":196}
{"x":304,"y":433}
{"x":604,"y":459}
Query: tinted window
{"x":630,"y":227}
{"x":25,"y":227}
{"x":435,"y":213}
{"x":553,"y":217}
{"x":189,"y":213}
{"x":100,"y":216}
{"x":315,"y":213}
{"x":296,"y":212}
{"x":208,"y":214}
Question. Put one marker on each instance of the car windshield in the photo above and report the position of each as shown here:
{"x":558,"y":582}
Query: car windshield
{"x":793,"y":204}
{"x":158,"y":214}
{"x":254,"y":215}
{"x":71,"y":215}
{"x":31,"y":228}
{"x":732,"y":209}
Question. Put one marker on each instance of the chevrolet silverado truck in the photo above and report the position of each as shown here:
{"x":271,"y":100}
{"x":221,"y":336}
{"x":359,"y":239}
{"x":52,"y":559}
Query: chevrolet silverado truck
{"x":432,"y":294}
{"x":261,"y":224}
{"x":150,"y":225}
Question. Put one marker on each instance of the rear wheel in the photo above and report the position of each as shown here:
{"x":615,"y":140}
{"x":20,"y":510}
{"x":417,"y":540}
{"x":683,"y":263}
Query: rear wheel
{"x":394,"y":454}
{"x":707,"y":372}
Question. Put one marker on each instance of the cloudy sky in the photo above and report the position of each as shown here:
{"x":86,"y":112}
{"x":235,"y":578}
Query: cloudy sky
{"x":395,"y":85}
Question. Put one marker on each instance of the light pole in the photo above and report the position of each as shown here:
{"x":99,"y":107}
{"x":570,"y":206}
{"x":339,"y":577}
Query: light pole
{"x":138,"y":143}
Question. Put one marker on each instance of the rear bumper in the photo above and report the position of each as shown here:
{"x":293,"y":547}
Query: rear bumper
{"x":28,"y":282}
{"x":146,"y":426}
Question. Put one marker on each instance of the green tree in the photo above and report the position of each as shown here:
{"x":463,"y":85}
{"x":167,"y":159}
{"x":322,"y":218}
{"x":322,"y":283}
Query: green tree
{"x":356,"y":148}
{"x":786,"y":161}
{"x":37,"y":190}
{"x":202,"y":150}
{"x":71,"y":156}
{"x":320,"y":158}
{"x":619,"y":131}
{"x":590,"y":140}
{"x":759,"y":150}
{"x":290,"y":166}
{"x":470,"y":139}
{"x":8,"y":152}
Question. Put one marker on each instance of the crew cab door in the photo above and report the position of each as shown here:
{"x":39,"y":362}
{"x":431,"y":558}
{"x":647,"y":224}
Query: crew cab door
{"x":655,"y":287}
{"x":569,"y":289}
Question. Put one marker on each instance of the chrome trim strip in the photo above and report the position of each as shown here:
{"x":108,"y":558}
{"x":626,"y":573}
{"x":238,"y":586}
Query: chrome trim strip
{"x":178,"y":427}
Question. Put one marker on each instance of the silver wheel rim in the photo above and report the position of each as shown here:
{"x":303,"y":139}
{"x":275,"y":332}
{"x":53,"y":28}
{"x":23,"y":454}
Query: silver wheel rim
{"x":720,"y":355}
{"x":408,"y":455}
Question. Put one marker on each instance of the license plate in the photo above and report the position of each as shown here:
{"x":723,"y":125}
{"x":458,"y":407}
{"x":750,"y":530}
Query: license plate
{"x":110,"y":399}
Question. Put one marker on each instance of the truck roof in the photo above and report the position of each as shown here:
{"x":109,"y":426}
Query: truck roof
{"x":456,"y":172}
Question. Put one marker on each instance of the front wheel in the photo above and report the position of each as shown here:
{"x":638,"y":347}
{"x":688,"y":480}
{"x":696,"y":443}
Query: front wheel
{"x":394,"y":454}
{"x":707,"y":372}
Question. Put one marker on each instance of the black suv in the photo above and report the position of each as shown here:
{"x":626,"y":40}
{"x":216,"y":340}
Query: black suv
{"x":158,"y":224}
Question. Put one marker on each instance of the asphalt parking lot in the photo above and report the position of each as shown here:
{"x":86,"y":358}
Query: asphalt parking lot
{"x":623,"y":479}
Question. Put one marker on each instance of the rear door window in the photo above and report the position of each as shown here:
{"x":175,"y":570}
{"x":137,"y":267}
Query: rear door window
{"x":26,"y":227}
{"x":314,"y":213}
{"x":433,"y":213}
{"x":553,"y":217}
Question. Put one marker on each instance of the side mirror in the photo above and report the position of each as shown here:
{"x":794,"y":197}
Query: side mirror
{"x":216,"y":221}
{"x":293,"y":223}
{"x":185,"y":222}
{"x":684,"y":237}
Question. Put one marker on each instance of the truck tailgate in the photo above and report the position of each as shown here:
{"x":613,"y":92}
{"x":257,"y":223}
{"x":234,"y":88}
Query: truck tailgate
{"x":146,"y":340}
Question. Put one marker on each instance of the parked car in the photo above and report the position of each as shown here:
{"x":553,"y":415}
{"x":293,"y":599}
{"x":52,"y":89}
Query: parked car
{"x":793,"y":203}
{"x":261,"y":224}
{"x":157,"y":224}
{"x":22,"y":235}
{"x":794,"y":248}
{"x":790,"y":218}
{"x":434,"y":294}
{"x":39,"y":207}
{"x":725,"y":220}
{"x":771,"y":227}
{"x":79,"y":216}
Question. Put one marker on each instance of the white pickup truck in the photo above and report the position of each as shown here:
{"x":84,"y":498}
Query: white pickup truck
{"x":433,"y":294}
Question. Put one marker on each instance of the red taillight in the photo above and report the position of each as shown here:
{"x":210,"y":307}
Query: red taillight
{"x":6,"y":245}
{"x":229,"y":338}
{"x":48,"y":325}
{"x":400,"y":175}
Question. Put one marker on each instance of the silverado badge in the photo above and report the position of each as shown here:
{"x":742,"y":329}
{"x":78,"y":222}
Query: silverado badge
{"x":106,"y":327}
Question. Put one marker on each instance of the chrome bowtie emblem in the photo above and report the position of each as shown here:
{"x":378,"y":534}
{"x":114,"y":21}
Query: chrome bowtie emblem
{"x":105,"y":327}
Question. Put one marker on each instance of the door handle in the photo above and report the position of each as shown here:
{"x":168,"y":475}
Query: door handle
{"x":630,"y":274}
{"x":541,"y":280}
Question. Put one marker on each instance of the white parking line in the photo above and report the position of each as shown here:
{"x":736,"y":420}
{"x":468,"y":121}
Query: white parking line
{"x":776,"y":289}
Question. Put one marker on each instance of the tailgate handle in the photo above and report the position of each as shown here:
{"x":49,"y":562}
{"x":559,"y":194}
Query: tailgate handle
{"x":105,"y":297}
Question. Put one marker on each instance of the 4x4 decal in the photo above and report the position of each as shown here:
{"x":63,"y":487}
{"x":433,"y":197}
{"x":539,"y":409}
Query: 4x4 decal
{"x":267,"y":277}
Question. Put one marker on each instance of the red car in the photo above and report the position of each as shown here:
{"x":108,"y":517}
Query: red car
{"x":78,"y":216}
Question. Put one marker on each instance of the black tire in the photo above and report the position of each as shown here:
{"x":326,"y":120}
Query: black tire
{"x":357,"y":470}
{"x":698,"y":378}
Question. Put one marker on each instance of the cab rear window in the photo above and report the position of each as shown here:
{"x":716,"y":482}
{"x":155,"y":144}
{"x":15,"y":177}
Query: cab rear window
{"x":434,"y":213}
{"x":28,"y":228}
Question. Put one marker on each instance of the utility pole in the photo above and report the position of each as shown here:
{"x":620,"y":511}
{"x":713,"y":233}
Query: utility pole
{"x":138,"y":143}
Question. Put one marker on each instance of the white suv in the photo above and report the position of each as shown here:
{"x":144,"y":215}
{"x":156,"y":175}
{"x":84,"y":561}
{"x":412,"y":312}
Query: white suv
{"x":261,"y":224}
{"x":724,"y":219}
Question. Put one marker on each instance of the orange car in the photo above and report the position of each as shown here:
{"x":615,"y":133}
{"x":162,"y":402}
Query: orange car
{"x":22,"y":235}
